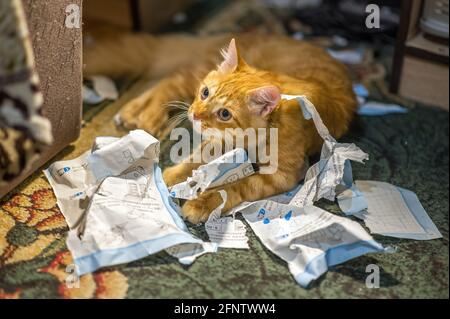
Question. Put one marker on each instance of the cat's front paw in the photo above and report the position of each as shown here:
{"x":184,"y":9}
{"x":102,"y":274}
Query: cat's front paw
{"x":173,"y":175}
{"x":129,"y":114}
{"x":198,"y":210}
{"x":169,"y":176}
{"x":144,"y":112}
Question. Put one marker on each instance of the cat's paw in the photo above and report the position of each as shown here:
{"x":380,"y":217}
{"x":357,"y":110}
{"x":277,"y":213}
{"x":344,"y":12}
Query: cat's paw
{"x":198,"y":210}
{"x":145,"y":112}
{"x":154,"y":119}
{"x":127,"y":117}
{"x":172,"y":176}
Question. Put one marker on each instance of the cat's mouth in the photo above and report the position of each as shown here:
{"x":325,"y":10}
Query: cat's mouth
{"x":197,"y":123}
{"x":191,"y":117}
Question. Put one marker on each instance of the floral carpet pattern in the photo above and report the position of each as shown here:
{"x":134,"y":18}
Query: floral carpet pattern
{"x":32,"y":235}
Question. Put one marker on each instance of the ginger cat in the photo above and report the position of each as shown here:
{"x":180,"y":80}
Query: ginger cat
{"x":243,"y":92}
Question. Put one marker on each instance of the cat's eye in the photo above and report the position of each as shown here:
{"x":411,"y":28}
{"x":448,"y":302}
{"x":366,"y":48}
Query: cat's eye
{"x":205,"y":93}
{"x":224,"y":115}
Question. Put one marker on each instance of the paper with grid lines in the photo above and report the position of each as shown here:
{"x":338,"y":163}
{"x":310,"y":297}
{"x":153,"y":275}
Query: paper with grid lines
{"x":118,"y":207}
{"x":389,"y":210}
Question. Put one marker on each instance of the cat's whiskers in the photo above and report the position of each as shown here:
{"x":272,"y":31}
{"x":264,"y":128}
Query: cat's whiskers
{"x":177,"y":119}
{"x":177,"y":104}
{"x":181,"y":102}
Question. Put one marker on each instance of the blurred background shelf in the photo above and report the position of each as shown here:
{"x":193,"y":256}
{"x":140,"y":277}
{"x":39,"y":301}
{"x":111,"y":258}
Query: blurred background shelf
{"x":133,"y":14}
{"x":421,"y":70}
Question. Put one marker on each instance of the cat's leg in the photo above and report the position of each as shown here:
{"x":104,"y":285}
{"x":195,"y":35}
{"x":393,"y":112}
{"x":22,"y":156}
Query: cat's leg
{"x":150,"y":112}
{"x":255,"y":187}
{"x":180,"y":172}
{"x":128,"y":115}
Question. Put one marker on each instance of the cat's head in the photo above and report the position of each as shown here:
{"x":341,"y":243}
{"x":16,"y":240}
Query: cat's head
{"x":234,"y":95}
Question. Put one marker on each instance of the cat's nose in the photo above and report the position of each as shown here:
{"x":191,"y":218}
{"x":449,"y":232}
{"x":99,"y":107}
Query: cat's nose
{"x":197,"y":117}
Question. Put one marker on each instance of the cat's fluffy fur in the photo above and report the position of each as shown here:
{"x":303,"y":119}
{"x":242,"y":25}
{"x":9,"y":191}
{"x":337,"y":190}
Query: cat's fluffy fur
{"x":249,"y":86}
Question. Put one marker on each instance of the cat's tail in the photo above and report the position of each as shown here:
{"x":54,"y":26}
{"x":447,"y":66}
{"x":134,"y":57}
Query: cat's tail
{"x":117,"y":54}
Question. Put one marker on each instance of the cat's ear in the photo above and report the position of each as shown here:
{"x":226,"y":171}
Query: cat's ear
{"x":232,"y":59}
{"x":264,"y":100}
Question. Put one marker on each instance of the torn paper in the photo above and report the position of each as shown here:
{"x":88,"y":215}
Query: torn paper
{"x":360,"y":90}
{"x":285,"y":198}
{"x":352,"y":201}
{"x":309,"y":239}
{"x":372,"y":108}
{"x":361,"y":93}
{"x":75,"y":181}
{"x":350,"y":56}
{"x":333,"y":168}
{"x":227,"y":169}
{"x":117,"y":206}
{"x":227,"y":231}
{"x":187,"y":253}
{"x":102,"y":141}
{"x":389,"y":210}
{"x":103,"y":88}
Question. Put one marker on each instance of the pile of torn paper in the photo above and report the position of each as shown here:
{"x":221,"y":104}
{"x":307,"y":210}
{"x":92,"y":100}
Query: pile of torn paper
{"x":119,"y":209}
{"x":117,"y":206}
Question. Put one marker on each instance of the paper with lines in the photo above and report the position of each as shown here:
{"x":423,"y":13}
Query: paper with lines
{"x":387,"y":211}
{"x":391,"y":211}
{"x":227,"y":231}
{"x":228,"y":168}
{"x":333,"y":169}
{"x":118,"y":207}
{"x":309,"y":239}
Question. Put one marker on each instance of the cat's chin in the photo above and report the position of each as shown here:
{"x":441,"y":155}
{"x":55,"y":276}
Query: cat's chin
{"x":196,"y":125}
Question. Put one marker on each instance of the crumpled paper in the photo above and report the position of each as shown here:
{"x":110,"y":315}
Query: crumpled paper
{"x":119,"y":209}
{"x":227,"y":231}
{"x":333,"y":168}
{"x":309,"y":239}
{"x":103,"y":88}
{"x":117,"y":206}
{"x":227,"y":169}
